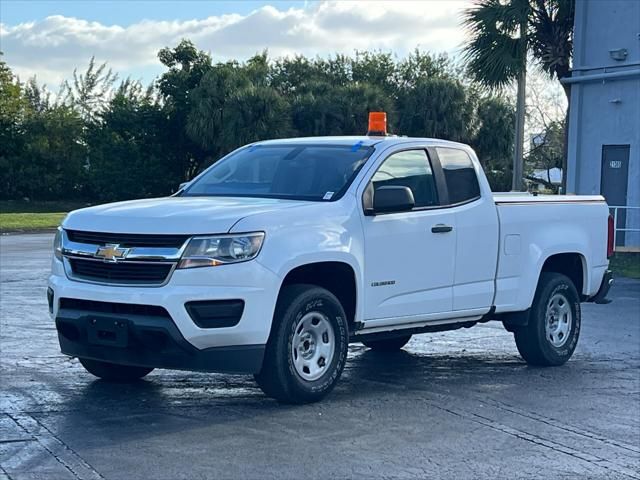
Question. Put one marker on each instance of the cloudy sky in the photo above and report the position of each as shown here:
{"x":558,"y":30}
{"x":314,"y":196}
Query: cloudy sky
{"x":51,"y":38}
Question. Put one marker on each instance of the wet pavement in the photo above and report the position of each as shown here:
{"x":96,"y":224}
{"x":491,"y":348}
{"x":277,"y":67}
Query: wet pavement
{"x":459,"y":404}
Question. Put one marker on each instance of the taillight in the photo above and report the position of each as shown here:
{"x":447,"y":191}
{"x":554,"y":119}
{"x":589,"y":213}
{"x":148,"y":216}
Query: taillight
{"x":610,"y":236}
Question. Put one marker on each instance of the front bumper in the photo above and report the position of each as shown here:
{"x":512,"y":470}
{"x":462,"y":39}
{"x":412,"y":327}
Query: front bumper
{"x":185,"y":344}
{"x":147,"y":341}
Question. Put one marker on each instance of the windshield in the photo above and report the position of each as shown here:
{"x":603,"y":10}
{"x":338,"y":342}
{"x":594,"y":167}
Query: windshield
{"x":305,"y":172}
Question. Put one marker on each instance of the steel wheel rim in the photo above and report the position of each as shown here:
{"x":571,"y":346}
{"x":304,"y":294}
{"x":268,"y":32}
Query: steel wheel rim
{"x":313,"y":346}
{"x":558,"y":320}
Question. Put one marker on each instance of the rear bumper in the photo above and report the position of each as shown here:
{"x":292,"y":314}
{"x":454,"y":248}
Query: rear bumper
{"x":147,"y":341}
{"x":601,"y":296}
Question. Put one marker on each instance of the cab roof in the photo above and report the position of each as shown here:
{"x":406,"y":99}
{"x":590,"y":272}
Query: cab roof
{"x":365,"y":141}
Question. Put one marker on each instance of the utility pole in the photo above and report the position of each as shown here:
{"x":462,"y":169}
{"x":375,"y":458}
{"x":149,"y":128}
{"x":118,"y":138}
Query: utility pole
{"x":518,"y":151}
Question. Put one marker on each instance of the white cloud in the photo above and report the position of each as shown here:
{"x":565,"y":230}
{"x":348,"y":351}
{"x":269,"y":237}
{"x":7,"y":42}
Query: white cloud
{"x":53,"y":47}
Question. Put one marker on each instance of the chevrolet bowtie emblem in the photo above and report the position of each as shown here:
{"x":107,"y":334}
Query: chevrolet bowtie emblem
{"x":111,"y":253}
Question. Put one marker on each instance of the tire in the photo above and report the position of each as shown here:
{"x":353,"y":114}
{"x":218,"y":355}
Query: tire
{"x":113,"y":372}
{"x":551,"y":335}
{"x":388,"y":344}
{"x":307,"y":347}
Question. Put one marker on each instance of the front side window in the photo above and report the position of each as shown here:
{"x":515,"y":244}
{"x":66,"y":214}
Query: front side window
{"x":305,"y":172}
{"x":459,"y":174}
{"x":411,"y":169}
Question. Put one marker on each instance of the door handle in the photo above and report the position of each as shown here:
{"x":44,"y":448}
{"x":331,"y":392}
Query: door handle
{"x":441,"y":228}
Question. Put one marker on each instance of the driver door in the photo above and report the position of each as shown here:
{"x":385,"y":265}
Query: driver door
{"x":410,"y":255}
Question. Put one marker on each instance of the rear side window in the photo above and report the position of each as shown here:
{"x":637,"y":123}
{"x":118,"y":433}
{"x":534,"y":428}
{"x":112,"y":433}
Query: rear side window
{"x":459,"y":174}
{"x":411,"y":169}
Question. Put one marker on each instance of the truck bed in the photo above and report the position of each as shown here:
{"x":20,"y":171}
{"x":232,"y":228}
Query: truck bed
{"x":533,"y":228}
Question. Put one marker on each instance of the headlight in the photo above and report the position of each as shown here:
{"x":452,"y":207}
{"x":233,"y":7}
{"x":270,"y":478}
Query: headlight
{"x":57,"y":244}
{"x":221,"y":249}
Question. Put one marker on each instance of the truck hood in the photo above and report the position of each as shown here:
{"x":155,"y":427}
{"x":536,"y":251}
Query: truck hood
{"x":173,"y":215}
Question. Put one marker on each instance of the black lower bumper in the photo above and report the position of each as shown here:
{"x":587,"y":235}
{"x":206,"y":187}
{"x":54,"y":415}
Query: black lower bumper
{"x":601,"y":296}
{"x":147,"y":341}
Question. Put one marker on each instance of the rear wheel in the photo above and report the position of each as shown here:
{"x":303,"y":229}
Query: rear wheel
{"x":113,"y":372}
{"x":307,"y":348}
{"x":551,"y":335}
{"x":388,"y":344}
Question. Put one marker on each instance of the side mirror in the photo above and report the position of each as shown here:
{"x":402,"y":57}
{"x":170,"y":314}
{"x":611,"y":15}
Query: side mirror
{"x":392,"y":198}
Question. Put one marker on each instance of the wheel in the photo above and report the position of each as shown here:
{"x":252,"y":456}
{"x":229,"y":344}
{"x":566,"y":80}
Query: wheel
{"x":307,"y":347}
{"x":113,"y":372}
{"x":552,"y":332}
{"x":388,"y":344}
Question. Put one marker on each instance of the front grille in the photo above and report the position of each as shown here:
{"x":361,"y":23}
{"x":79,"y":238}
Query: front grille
{"x":148,"y":273}
{"x":127,"y":239}
{"x":114,"y":308}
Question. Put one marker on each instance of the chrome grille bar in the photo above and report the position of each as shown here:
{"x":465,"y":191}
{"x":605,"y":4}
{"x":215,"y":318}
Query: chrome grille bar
{"x":141,"y":266}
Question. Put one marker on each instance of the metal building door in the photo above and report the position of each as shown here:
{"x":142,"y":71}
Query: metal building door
{"x":614,"y":180}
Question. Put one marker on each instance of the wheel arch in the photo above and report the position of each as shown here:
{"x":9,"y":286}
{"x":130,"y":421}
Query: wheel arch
{"x":338,"y":277}
{"x":571,"y":264}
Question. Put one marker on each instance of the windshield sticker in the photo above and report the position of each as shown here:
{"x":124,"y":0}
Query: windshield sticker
{"x":327,"y":196}
{"x":253,"y":147}
{"x":357,"y":146}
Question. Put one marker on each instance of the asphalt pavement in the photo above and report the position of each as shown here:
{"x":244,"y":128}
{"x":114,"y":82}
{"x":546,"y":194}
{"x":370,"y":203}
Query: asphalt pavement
{"x":459,"y":404}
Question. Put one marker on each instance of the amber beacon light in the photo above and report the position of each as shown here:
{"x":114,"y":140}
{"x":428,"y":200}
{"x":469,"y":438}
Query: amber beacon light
{"x":377,"y":124}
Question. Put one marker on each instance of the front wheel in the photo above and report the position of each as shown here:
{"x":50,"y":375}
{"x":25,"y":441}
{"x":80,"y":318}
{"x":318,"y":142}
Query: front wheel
{"x":113,"y":372}
{"x":307,"y":348}
{"x":551,"y":335}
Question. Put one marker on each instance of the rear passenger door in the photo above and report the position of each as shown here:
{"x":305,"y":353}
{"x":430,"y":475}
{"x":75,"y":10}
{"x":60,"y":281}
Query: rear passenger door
{"x":477,"y":230}
{"x":410,"y":255}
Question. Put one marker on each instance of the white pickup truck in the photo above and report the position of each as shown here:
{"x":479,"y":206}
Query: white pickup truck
{"x":278,"y":256}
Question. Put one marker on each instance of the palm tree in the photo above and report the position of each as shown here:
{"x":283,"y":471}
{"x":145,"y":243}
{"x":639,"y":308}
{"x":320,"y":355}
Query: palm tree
{"x":502,"y":33}
{"x":551,"y":38}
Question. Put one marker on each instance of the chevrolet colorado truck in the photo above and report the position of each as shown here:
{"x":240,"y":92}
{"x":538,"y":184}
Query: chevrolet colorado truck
{"x":279,"y":255}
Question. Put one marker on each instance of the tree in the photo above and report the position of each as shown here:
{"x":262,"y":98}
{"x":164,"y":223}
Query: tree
{"x":352,"y":104}
{"x":233,"y":106}
{"x":548,"y":152}
{"x":551,"y":38}
{"x":493,"y":141}
{"x":552,"y":46}
{"x":38,"y":97}
{"x":102,"y":141}
{"x":436,"y":107}
{"x":502,"y":33}
{"x":40,"y":156}
{"x":288,"y":74}
{"x":497,"y":55}
{"x":376,"y":68}
{"x":13,"y":108}
{"x":89,"y":91}
{"x":313,"y":112}
{"x":53,"y":163}
{"x":419,"y":65}
{"x":187,"y":65}
{"x":129,"y":150}
{"x":13,"y":111}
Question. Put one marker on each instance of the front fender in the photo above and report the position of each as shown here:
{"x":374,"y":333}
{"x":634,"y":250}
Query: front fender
{"x":320,"y":232}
